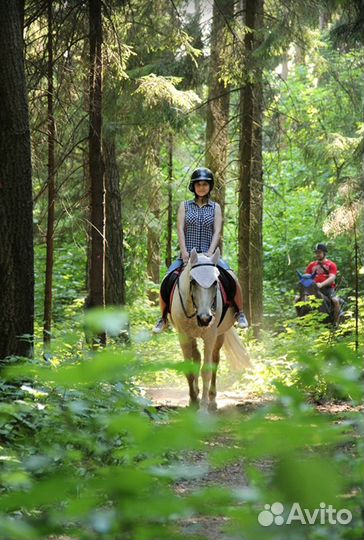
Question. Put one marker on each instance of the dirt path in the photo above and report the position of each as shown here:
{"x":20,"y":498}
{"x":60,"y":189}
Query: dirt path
{"x":178,"y":397}
{"x":231,"y":476}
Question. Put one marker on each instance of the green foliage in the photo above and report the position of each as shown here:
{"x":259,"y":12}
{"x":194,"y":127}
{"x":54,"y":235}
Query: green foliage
{"x":162,"y":89}
{"x":84,"y":454}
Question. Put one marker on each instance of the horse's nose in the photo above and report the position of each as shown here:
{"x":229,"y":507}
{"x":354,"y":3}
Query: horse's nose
{"x":204,"y":319}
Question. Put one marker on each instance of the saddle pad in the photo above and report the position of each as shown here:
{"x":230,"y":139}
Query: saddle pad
{"x":167,"y":286}
{"x":228,"y":284}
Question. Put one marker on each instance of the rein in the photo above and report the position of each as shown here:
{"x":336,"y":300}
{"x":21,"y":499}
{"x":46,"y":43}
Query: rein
{"x":182,"y":304}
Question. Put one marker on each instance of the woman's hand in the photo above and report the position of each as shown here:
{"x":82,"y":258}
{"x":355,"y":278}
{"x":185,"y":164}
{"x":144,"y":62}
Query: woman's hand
{"x":185,"y":256}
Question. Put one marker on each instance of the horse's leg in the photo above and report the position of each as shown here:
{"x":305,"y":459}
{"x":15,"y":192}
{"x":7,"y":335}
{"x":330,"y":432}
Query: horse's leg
{"x":297,"y":298}
{"x":197,"y":361}
{"x":209,"y":345}
{"x":336,"y":308}
{"x":191,"y":353}
{"x":215,"y":361}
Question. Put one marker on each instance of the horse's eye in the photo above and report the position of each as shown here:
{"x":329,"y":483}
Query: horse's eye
{"x":193,"y":282}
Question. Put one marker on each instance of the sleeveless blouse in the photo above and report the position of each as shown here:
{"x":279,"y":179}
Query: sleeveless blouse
{"x":199,"y":226}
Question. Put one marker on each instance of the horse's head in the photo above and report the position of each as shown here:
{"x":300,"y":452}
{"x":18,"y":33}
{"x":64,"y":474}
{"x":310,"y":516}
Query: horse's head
{"x":203,"y":285}
{"x":307,"y":286}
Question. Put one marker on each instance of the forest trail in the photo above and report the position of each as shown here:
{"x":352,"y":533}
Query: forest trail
{"x":231,"y":476}
{"x":171,"y":397}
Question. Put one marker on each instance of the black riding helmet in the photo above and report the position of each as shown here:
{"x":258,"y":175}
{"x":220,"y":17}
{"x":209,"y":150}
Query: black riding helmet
{"x":202,"y":173}
{"x":321,"y":247}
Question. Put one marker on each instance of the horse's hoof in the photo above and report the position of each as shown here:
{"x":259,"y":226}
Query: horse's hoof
{"x":212,"y":406}
{"x":204,"y":406}
{"x":194,"y":404}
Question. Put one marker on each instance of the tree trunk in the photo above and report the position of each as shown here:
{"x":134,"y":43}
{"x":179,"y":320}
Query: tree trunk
{"x":250,"y":173}
{"x":51,"y":187}
{"x":256,"y":205}
{"x":217,"y":120}
{"x":285,"y":68}
{"x":16,"y":221}
{"x":324,"y":18}
{"x":96,"y":296}
{"x":153,"y":223}
{"x":245,"y":152}
{"x":114,"y":271}
{"x":170,"y":202}
{"x":299,"y":55}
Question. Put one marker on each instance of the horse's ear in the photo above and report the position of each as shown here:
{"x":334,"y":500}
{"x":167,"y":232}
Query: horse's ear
{"x":313,"y":274}
{"x":216,"y":256}
{"x":193,"y":257}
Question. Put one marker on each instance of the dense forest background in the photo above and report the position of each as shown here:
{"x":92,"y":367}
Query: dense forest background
{"x":157,"y":90}
{"x":106,"y":109}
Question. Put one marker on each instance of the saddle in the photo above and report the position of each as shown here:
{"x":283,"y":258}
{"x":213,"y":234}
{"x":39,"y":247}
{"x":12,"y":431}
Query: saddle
{"x":228,"y":291}
{"x":167,"y":287}
{"x":227,"y":288}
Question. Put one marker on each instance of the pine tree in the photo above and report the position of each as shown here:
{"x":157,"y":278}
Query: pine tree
{"x":96,"y":296}
{"x":217,"y":115}
{"x":16,"y":222}
{"x":250,"y":174}
{"x":48,"y":297}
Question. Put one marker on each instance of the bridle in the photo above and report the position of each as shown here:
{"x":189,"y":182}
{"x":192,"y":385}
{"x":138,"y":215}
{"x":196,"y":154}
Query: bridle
{"x":213,"y":305}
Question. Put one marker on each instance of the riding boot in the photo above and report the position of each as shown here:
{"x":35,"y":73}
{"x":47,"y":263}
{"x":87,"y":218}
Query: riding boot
{"x":161,"y":325}
{"x":241,"y":320}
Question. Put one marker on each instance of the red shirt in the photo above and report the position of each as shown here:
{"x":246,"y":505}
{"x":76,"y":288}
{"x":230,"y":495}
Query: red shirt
{"x":323,"y":270}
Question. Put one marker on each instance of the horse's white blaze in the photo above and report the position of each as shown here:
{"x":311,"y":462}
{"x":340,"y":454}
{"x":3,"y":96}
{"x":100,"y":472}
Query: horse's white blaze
{"x":205,"y":301}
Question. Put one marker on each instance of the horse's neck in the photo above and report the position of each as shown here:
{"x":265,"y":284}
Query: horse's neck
{"x":184,"y":286}
{"x":316,"y":291}
{"x":310,"y":291}
{"x":184,"y":281}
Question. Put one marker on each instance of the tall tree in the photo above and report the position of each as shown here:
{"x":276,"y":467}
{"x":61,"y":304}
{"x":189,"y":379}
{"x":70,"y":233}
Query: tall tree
{"x":16,"y":221}
{"x":217,"y":117}
{"x":153,"y":219}
{"x":96,"y":282}
{"x":114,"y":269}
{"x":51,"y":183}
{"x":170,"y":201}
{"x":256,"y":202}
{"x":250,"y":173}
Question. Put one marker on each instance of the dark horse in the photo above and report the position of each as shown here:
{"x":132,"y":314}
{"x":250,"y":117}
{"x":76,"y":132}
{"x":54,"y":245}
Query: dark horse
{"x":308,"y":288}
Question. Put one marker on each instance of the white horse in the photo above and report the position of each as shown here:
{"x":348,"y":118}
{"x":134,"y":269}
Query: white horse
{"x":196,"y":311}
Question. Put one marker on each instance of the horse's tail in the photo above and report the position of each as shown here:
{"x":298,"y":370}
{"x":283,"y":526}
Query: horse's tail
{"x":236,"y":353}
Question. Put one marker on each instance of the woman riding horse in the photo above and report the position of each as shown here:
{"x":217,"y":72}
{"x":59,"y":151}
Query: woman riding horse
{"x":199,"y":227}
